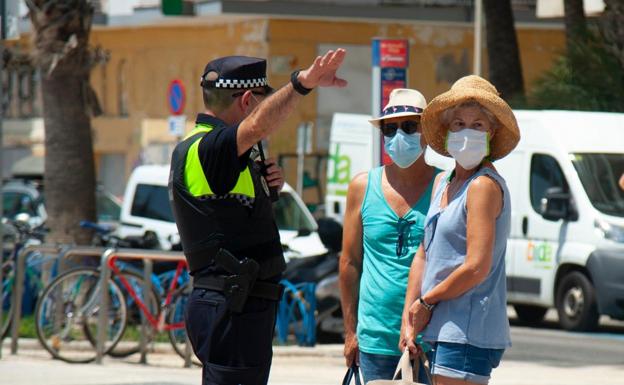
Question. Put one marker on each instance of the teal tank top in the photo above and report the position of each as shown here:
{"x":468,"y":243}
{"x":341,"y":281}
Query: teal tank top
{"x":389,"y":245}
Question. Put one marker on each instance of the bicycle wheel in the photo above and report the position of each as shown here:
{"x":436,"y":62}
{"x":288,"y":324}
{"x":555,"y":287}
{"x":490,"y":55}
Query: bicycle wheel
{"x":175,"y":315}
{"x":130,"y":340}
{"x":67,"y":313}
{"x":8,"y":278}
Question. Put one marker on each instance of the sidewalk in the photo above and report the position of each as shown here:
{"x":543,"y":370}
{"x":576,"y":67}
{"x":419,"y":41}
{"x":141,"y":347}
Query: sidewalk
{"x":292,"y":365}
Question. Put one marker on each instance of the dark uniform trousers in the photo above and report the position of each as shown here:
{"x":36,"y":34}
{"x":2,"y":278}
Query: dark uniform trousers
{"x":234,"y":348}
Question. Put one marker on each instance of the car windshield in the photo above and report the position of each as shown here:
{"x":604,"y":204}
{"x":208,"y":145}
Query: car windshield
{"x":599,"y":174}
{"x":108,"y":209}
{"x":289,"y":215}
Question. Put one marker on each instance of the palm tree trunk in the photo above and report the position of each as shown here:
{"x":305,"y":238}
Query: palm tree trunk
{"x":60,"y":36}
{"x":575,"y":24}
{"x":505,"y":68}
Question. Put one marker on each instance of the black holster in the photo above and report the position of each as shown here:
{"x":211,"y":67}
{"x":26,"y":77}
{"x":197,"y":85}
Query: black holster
{"x":243,"y":276}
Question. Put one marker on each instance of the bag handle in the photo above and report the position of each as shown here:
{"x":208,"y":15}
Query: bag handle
{"x":352,"y":372}
{"x":408,"y":371}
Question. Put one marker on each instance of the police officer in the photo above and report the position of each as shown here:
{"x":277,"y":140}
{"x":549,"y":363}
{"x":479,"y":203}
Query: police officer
{"x":221,"y":199}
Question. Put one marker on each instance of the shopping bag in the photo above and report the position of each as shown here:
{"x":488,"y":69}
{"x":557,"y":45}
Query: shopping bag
{"x":353,"y":373}
{"x":409,"y":372}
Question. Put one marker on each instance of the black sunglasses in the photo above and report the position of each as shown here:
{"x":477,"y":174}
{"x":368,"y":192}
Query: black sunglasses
{"x":259,"y":93}
{"x":403,"y":230}
{"x":408,"y":126}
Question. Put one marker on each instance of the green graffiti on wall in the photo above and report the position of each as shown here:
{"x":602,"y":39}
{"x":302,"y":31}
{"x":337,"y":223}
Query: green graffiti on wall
{"x":340,"y":173}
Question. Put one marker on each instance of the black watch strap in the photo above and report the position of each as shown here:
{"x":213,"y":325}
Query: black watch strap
{"x":297,"y":84}
{"x":425,"y":304}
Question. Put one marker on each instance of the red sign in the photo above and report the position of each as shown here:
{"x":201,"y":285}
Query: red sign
{"x":393,"y":53}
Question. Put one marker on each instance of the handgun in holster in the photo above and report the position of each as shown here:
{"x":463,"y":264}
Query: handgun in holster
{"x":238,"y":285}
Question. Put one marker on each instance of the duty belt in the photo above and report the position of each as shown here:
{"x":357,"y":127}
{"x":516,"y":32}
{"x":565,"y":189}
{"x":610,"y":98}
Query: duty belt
{"x":240,"y":284}
{"x":260,"y":289}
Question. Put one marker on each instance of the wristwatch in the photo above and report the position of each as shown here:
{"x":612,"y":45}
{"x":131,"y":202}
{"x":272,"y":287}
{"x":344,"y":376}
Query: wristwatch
{"x":297,"y":84}
{"x":425,"y":304}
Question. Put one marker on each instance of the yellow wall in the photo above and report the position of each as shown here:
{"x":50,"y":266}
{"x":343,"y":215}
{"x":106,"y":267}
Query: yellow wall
{"x":144,"y":59}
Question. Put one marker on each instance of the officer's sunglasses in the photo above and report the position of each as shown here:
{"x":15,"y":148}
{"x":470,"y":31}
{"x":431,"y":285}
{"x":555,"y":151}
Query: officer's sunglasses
{"x":408,"y":127}
{"x":259,"y":93}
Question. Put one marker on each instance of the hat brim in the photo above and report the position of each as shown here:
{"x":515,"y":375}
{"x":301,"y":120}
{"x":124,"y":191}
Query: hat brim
{"x":505,"y":138}
{"x":376,"y":121}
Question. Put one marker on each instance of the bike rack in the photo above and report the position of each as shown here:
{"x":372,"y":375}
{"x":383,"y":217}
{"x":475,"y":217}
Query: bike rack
{"x":63,"y":252}
{"x":147,"y":256}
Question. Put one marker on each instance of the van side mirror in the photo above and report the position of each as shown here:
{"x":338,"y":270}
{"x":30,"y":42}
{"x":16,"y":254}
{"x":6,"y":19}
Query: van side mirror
{"x":557,"y":204}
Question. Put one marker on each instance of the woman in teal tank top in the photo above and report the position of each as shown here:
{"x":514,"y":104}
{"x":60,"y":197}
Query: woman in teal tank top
{"x":383,"y":227}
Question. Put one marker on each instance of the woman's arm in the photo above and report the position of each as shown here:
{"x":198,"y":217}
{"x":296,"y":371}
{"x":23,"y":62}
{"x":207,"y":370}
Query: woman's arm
{"x":484,"y":203}
{"x":414,"y":283}
{"x":351,"y":264}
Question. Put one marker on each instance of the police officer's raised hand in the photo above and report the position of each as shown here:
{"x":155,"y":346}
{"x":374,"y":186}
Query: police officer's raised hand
{"x":275,"y":176}
{"x":322,"y":73}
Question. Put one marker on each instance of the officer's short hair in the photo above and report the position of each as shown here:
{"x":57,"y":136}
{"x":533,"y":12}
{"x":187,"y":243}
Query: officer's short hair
{"x":218,"y":99}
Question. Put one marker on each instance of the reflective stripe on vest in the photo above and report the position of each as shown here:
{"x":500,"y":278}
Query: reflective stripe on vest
{"x":194,"y":176}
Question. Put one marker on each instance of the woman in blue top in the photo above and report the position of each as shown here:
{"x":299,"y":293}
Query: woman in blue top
{"x":457,"y":285}
{"x":383,"y":227}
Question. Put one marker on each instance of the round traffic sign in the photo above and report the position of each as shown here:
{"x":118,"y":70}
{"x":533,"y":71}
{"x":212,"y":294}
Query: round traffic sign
{"x":176,"y":97}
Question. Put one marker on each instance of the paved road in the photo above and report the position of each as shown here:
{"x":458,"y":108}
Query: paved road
{"x":540,"y":356}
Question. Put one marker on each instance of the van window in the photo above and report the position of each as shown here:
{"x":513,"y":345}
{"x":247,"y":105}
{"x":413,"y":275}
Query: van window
{"x":151,"y":201}
{"x":545,"y":173}
{"x":600,"y":174}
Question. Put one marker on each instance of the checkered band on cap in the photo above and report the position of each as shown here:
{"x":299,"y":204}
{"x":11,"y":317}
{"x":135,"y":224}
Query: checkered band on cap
{"x":238,"y":83}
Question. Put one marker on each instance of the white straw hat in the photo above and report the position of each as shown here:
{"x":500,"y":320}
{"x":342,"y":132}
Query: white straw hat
{"x":403,"y":102}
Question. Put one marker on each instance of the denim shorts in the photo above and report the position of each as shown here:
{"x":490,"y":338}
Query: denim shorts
{"x":464,"y":362}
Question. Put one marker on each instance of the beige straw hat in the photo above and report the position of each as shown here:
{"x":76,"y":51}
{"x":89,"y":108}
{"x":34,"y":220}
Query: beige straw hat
{"x":402,"y":102}
{"x":468,"y":88}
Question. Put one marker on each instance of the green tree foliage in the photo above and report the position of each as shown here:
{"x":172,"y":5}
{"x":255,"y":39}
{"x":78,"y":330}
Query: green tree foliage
{"x":587,"y":77}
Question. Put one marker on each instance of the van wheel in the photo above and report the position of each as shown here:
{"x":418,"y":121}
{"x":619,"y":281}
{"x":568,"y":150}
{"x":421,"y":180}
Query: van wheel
{"x":576,"y":303}
{"x":530,"y":314}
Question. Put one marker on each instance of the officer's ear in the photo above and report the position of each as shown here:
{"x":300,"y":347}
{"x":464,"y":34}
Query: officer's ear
{"x":245,"y":100}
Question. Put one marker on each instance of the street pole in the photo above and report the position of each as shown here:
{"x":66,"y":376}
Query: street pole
{"x":478,"y":39}
{"x":3,"y":13}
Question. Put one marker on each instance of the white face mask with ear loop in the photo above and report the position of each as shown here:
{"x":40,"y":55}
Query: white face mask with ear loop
{"x":468,"y":147}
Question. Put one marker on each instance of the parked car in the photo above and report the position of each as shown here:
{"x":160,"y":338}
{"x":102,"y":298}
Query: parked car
{"x":146,"y":207}
{"x":27,"y":196}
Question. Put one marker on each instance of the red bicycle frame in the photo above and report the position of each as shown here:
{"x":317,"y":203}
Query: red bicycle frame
{"x":157,"y":323}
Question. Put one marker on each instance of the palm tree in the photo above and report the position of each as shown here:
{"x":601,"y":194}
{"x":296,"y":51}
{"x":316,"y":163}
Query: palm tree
{"x":60,"y":34}
{"x":575,"y":22}
{"x":504,"y":64}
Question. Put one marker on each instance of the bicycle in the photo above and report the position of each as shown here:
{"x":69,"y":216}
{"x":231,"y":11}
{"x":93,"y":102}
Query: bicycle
{"x":69,"y":308}
{"x":21,"y":235}
{"x":134,"y":275}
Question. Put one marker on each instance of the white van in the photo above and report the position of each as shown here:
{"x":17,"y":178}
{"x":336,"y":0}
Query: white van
{"x":566,"y":248}
{"x":146,"y":207}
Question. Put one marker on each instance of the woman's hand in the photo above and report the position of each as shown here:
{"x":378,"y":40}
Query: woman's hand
{"x":351,"y":350}
{"x":419,"y":317}
{"x":408,"y":337}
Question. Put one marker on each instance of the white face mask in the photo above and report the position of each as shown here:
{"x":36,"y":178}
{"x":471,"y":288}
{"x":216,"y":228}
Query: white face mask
{"x":468,"y":147}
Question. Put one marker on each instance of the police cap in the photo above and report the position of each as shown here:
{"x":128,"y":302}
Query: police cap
{"x":242,"y":72}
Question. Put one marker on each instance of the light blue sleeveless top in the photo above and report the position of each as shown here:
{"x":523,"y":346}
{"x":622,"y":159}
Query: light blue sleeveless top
{"x":479,"y":316}
{"x":384,"y":272}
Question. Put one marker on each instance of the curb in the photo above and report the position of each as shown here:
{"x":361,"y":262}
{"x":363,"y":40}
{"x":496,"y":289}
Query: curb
{"x":328,"y":351}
